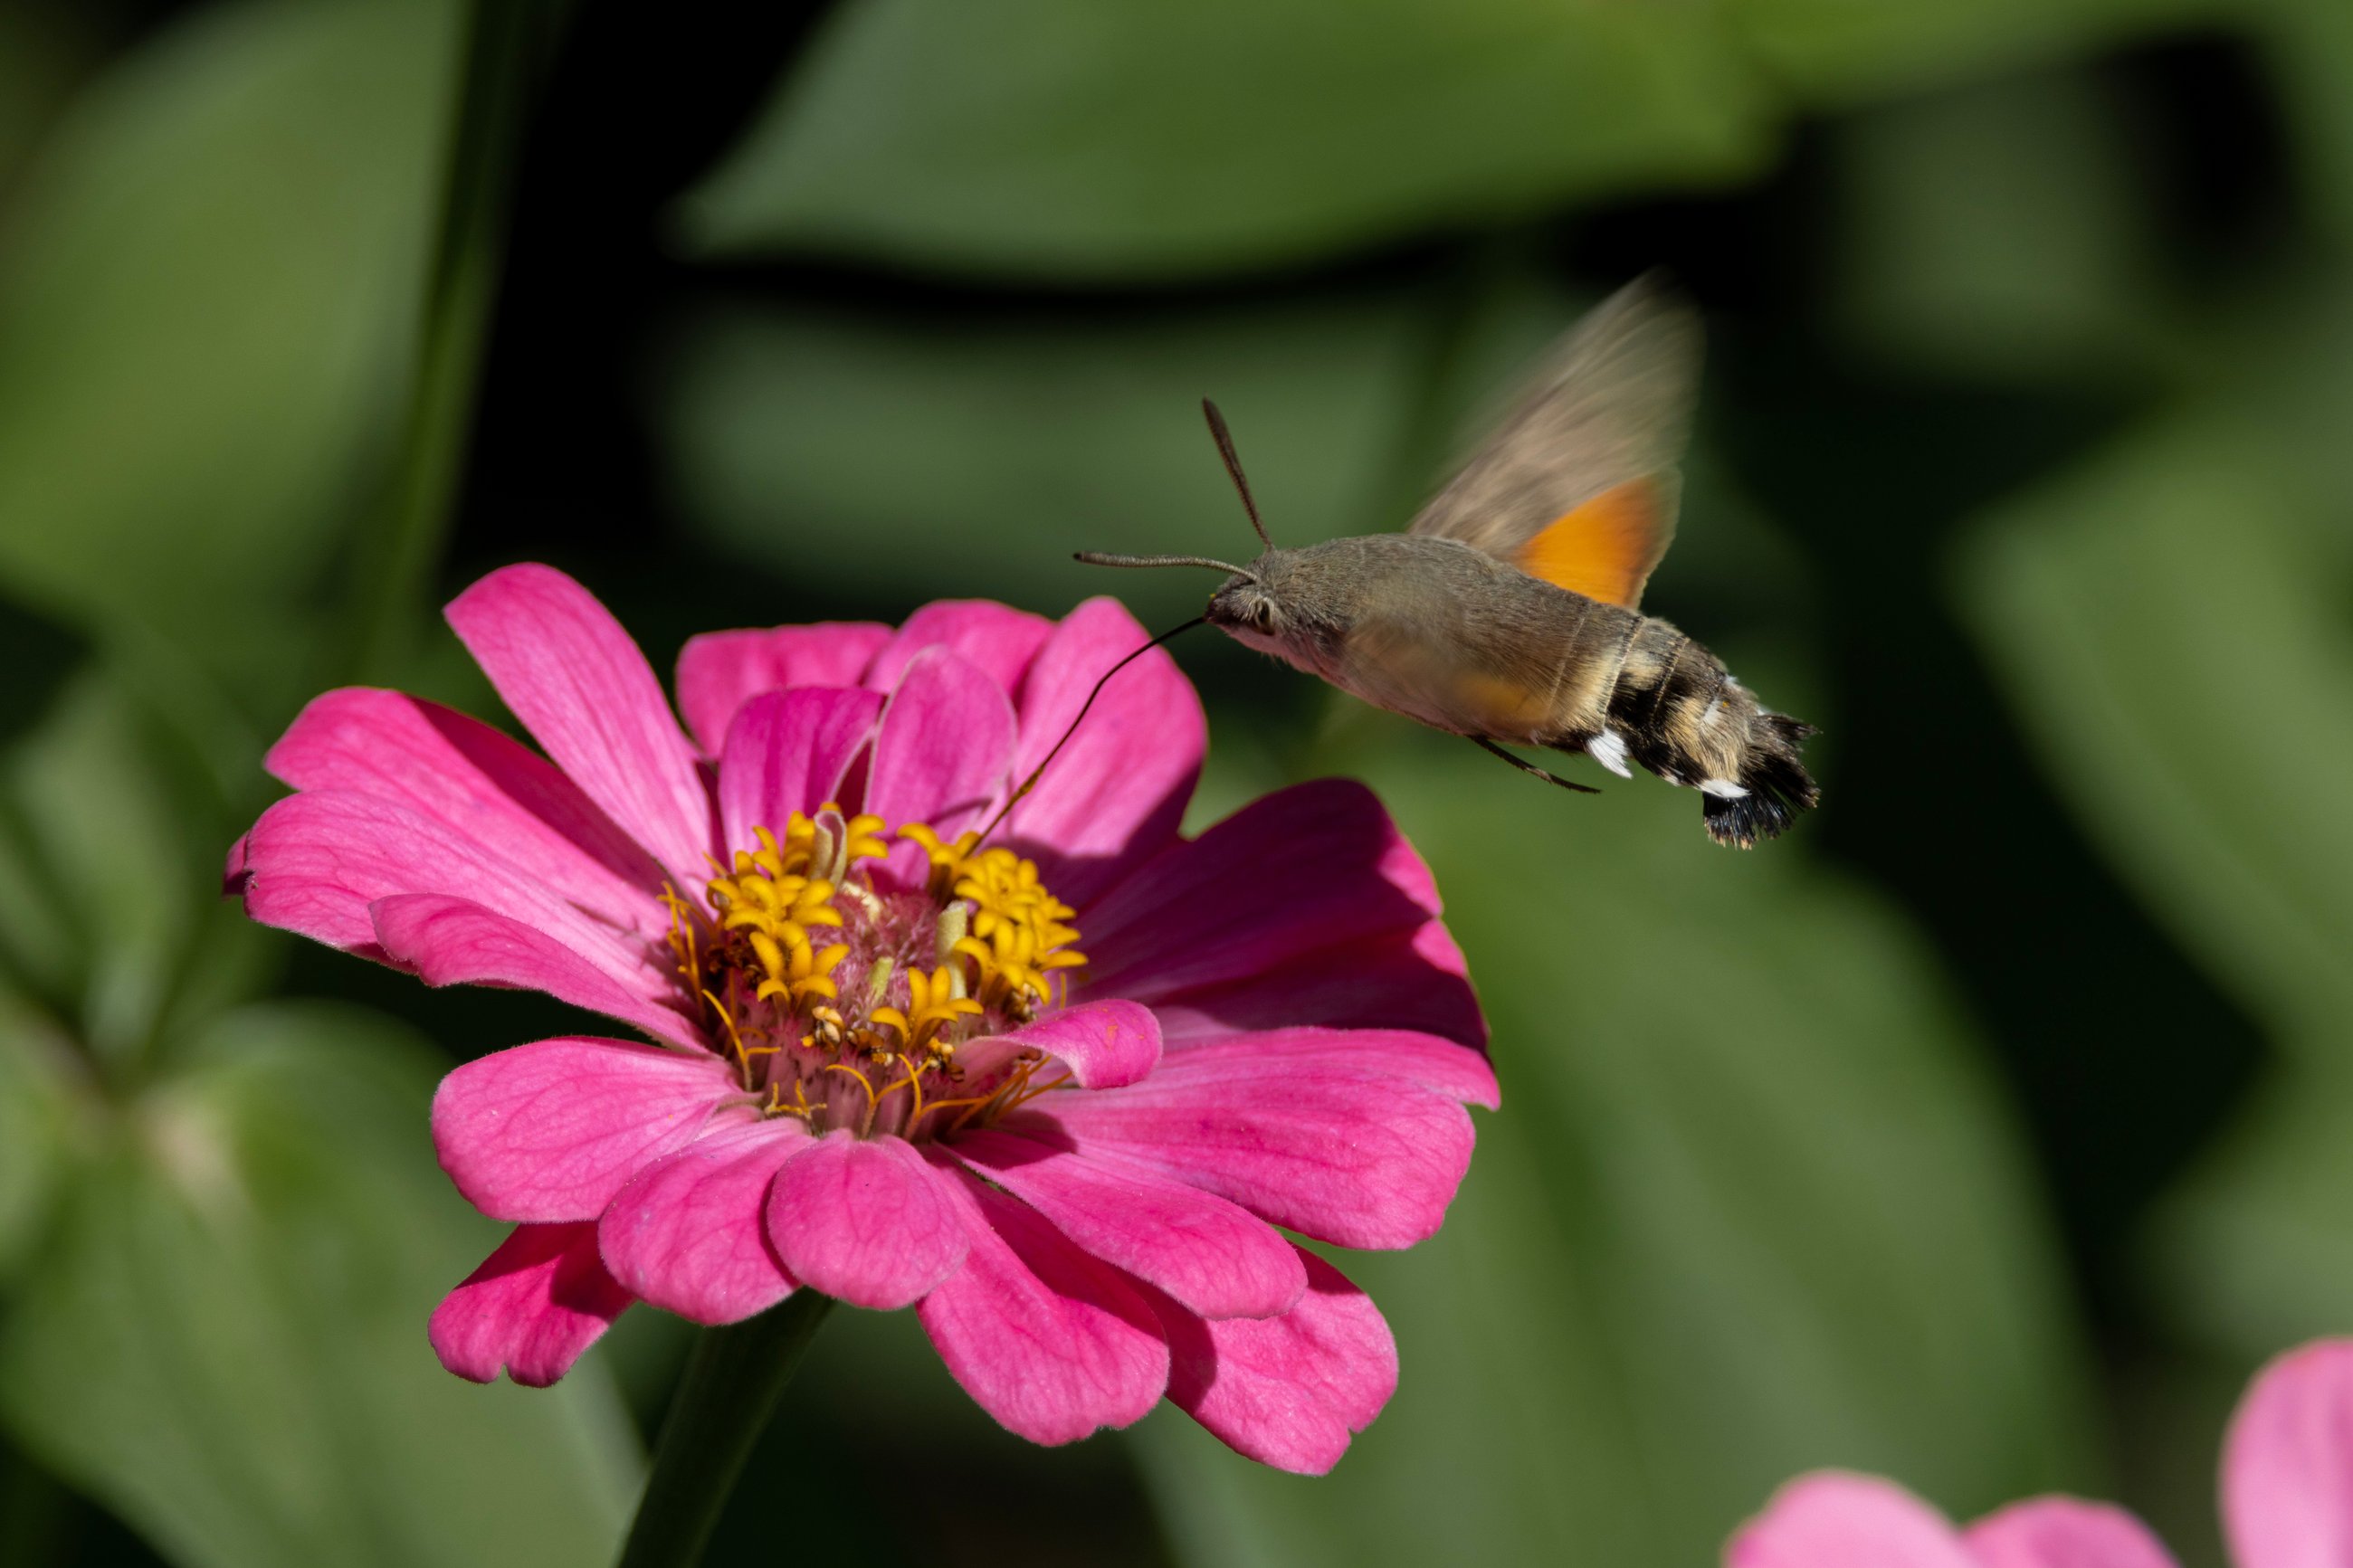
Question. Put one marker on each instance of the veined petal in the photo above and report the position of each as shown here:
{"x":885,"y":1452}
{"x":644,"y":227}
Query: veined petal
{"x":1325,"y":867}
{"x":1410,"y":979}
{"x":941,"y":753}
{"x":1287,"y":1390}
{"x":865,"y":1220}
{"x":1046,"y":1339}
{"x":718,"y":672}
{"x":2062,"y":1533}
{"x":690,"y":1234}
{"x":530,"y":1310}
{"x":318,"y":861}
{"x":2287,"y":1465}
{"x":788,"y":752}
{"x":1214,"y":1258}
{"x":1455,"y":1072}
{"x":1116,"y":794}
{"x":996,"y":639}
{"x":1103,"y":1044}
{"x":565,"y":667}
{"x":484,"y":787}
{"x":552,"y":1131}
{"x":454,"y":942}
{"x":1832,"y":1519}
{"x":1347,"y":1157}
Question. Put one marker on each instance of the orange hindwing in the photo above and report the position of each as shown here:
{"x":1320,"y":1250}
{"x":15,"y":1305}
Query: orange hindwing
{"x":1605,"y":548}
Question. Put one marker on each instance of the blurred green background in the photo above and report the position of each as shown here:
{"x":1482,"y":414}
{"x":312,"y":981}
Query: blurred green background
{"x":1984,"y":1132}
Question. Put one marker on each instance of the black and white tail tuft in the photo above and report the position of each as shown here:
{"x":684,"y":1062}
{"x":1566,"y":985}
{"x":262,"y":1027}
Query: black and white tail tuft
{"x":1773,"y":784}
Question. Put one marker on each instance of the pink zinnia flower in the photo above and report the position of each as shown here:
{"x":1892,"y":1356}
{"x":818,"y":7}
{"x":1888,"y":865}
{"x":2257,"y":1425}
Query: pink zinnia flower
{"x":2288,"y":1500}
{"x":885,"y":1067}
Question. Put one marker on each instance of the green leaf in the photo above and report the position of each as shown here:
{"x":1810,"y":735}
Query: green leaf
{"x":2169,"y":623}
{"x":227,"y":1344}
{"x":896,"y":457}
{"x":37,"y":1118}
{"x":1841,"y":51}
{"x":2000,"y":230}
{"x":1154,"y":139}
{"x":207,"y":307}
{"x":1749,"y":1209}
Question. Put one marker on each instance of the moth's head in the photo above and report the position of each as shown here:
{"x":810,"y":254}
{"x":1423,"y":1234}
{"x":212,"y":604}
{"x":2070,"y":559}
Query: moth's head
{"x":1249,"y":606}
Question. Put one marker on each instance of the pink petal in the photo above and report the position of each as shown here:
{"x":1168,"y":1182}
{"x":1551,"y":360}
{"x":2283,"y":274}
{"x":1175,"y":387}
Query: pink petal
{"x":1399,"y":979}
{"x":1455,"y":1072}
{"x":2061,"y":1532}
{"x":552,"y":1131}
{"x":1103,"y":1044}
{"x":317,"y":861}
{"x":2287,"y":1464}
{"x":1313,"y":867}
{"x":1348,"y":1157}
{"x":718,"y":672}
{"x":485,"y":788}
{"x":530,"y":1310}
{"x":997,"y":640}
{"x":1115,"y":794}
{"x":1288,"y":1391}
{"x":788,"y":752}
{"x":1832,"y":1520}
{"x":565,"y":667}
{"x":688,"y":1233}
{"x":454,"y":941}
{"x":1214,"y":1258}
{"x":864,"y":1220}
{"x":942,"y":750}
{"x":1051,"y":1343}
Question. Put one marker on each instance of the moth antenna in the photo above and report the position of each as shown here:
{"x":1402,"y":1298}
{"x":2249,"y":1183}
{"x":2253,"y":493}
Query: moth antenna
{"x":1225,"y":440}
{"x":1098,"y":558}
{"x":1039,"y":772}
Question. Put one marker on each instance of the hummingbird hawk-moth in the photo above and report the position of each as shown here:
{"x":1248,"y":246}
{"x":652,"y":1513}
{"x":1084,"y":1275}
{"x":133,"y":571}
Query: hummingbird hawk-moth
{"x":1510,"y":611}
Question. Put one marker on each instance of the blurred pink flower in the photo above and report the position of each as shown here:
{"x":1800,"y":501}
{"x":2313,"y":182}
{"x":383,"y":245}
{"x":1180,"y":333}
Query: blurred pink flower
{"x":2288,"y":1500}
{"x":883,"y":1069}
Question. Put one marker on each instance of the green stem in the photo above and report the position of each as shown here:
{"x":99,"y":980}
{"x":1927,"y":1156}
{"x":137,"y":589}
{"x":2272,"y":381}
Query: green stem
{"x":505,"y":41}
{"x":722,"y":1403}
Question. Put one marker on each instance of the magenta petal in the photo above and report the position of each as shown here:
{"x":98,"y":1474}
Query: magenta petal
{"x":1313,"y":867}
{"x":1046,"y":1339}
{"x":1455,"y":1072}
{"x":1214,"y":1258}
{"x":787,"y":752}
{"x":942,"y":750}
{"x":1116,"y":794}
{"x":1348,"y":1157}
{"x":688,"y":1232}
{"x":2287,"y":1465}
{"x":994,"y":638}
{"x":565,"y":667}
{"x":1288,"y":1391}
{"x":865,"y":1220}
{"x":552,"y":1129}
{"x":1832,"y":1519}
{"x":718,"y":672}
{"x":2061,"y":1532}
{"x":1103,"y":1044}
{"x":454,"y":942}
{"x":1399,"y":980}
{"x":485,"y":788}
{"x":318,"y":861}
{"x":531,"y":1308}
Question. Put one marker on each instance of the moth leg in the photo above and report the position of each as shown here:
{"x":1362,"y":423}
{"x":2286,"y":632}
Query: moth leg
{"x":1486,"y":744}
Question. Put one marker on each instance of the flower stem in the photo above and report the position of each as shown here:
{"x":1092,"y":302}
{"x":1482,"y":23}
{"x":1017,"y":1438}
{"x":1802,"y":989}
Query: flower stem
{"x":723,"y":1403}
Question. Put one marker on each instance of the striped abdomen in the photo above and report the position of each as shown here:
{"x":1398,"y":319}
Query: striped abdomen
{"x":1666,"y":702}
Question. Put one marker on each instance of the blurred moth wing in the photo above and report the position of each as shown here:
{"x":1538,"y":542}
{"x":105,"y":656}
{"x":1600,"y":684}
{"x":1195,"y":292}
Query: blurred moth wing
{"x":1577,"y":485}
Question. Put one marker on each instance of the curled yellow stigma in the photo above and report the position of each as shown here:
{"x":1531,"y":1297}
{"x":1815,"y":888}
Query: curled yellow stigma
{"x":773,"y":907}
{"x":947,"y":859}
{"x":934,"y":1000}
